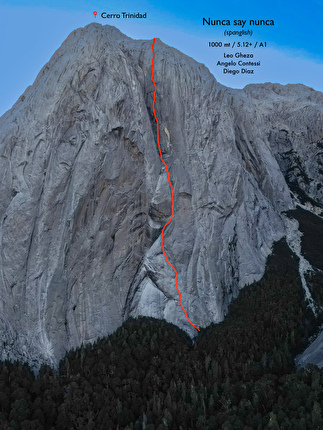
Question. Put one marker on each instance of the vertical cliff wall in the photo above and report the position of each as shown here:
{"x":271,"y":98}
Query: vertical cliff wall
{"x":84,"y":196}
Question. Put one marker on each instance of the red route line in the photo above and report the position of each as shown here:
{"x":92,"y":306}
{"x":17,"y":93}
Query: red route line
{"x":171,"y":188}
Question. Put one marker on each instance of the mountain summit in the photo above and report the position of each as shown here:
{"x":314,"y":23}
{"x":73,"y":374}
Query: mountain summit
{"x":84,"y":195}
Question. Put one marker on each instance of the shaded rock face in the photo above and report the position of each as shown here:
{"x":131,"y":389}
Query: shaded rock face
{"x":313,"y":353}
{"x":84,"y":196}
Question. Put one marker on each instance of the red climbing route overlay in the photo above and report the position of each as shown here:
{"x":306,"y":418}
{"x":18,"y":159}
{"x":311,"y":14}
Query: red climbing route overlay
{"x":171,"y":188}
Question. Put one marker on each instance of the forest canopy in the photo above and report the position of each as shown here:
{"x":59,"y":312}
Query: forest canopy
{"x":239,"y":374}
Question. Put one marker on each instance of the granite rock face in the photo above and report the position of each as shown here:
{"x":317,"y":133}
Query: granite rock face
{"x":84,"y":196}
{"x":313,"y":353}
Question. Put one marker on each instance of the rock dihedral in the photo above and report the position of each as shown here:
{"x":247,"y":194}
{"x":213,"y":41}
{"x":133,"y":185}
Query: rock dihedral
{"x":84,"y":195}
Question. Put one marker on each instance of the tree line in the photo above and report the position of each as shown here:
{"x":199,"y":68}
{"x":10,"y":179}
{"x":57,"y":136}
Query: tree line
{"x":239,"y":374}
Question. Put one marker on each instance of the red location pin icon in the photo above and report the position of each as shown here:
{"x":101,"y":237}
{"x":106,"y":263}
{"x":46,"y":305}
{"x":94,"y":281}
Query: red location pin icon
{"x":95,"y":13}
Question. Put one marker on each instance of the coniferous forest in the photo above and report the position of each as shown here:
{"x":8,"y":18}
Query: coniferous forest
{"x":238,"y":374}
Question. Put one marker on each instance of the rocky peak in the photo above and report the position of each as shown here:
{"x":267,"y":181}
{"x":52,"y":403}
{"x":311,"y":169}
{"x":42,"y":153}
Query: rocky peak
{"x":84,"y":195}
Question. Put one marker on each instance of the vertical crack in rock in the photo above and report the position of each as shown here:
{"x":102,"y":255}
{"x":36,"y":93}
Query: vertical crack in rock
{"x":83,"y":197}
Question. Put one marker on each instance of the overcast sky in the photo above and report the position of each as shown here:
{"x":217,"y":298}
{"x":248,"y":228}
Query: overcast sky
{"x":30,"y":32}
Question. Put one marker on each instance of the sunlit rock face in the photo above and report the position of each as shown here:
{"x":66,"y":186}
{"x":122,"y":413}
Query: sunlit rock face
{"x":84,"y":195}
